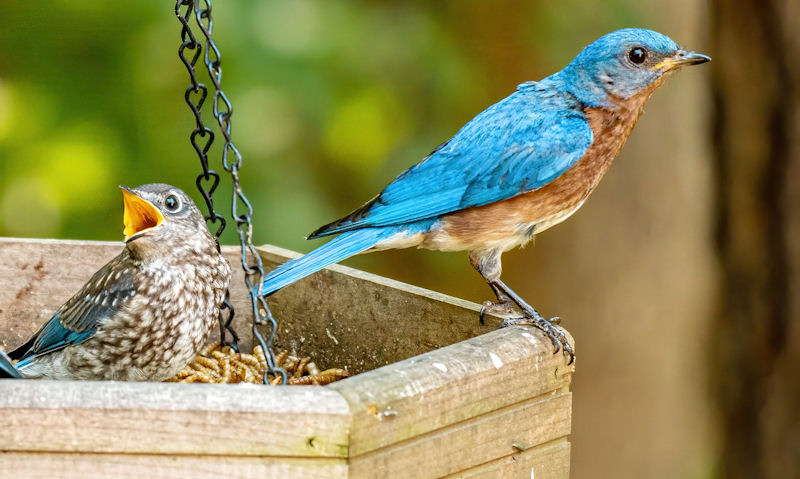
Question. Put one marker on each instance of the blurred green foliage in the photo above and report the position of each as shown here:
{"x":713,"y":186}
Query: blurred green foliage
{"x":331,"y":100}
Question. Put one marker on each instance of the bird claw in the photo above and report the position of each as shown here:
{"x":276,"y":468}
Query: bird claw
{"x":550,"y":328}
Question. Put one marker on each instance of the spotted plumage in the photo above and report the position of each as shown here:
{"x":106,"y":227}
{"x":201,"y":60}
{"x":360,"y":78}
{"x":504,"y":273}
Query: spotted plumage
{"x":522,"y":165}
{"x":144,"y":315}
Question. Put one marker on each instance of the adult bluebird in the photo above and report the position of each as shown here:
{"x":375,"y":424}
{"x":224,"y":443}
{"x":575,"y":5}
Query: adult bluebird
{"x":145,"y":314}
{"x":519,"y":167}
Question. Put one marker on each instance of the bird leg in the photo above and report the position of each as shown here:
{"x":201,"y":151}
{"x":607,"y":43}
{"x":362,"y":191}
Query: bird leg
{"x":489,"y":266}
{"x":532,"y":317}
{"x":504,"y":307}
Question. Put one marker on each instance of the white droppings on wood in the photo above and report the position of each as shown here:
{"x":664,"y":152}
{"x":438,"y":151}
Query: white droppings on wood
{"x":408,"y":391}
{"x":387,"y":413}
{"x":441,"y":367}
{"x":529,"y":337}
{"x":498,"y":363}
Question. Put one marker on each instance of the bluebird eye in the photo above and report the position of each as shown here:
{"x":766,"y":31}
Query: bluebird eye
{"x":172,"y":203}
{"x":637,"y":55}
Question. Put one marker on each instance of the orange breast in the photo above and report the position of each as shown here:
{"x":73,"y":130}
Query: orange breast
{"x":509,"y":223}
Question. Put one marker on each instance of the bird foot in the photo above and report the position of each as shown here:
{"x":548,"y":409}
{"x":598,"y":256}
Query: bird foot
{"x":550,"y":328}
{"x":502,"y":309}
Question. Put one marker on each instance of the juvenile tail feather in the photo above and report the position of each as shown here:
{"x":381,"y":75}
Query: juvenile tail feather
{"x":342,"y":247}
{"x":7,"y":368}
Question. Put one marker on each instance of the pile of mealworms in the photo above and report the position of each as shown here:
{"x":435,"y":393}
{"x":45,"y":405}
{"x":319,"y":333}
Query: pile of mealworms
{"x":215,"y":364}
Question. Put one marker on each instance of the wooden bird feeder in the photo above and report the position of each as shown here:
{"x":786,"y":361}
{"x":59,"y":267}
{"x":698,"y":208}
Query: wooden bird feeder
{"x":434,"y":393}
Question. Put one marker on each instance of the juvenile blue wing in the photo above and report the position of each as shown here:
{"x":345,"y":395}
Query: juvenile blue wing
{"x":517,"y":145}
{"x":77,"y":320}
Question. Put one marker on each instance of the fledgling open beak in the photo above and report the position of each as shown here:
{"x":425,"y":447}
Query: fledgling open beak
{"x":681,"y":59}
{"x":139,"y":215}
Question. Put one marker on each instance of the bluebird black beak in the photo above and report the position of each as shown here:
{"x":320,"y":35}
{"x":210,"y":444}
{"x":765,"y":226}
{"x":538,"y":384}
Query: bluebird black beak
{"x":139,"y":215}
{"x":681,"y":59}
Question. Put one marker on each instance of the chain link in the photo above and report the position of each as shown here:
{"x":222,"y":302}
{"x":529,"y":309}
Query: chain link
{"x":201,"y":139}
{"x":222,"y":109}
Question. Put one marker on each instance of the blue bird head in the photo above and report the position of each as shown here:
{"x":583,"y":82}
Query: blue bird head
{"x":623,"y":64}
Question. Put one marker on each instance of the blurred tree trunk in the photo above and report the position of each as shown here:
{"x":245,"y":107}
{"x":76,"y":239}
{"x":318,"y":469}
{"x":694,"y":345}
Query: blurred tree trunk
{"x":756,"y":359}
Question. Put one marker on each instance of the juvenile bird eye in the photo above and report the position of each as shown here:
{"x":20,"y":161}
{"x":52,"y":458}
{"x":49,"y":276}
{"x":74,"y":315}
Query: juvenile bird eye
{"x":172,"y":203}
{"x":637,"y":55}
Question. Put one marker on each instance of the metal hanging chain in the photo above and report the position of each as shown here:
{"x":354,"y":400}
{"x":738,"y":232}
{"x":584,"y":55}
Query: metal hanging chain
{"x":201,"y":139}
{"x":251,"y":261}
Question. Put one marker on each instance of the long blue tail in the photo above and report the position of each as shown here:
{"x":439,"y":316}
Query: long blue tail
{"x":7,"y":368}
{"x":338,"y":249}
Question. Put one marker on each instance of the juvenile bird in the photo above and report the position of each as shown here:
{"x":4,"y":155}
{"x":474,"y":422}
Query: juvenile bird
{"x":144,"y":315}
{"x":521,"y":166}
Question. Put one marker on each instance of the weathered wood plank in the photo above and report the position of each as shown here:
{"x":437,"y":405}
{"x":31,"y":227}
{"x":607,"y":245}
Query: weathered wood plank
{"x":547,"y":461}
{"x":362,"y":321}
{"x":35,"y":465}
{"x":172,"y":418}
{"x":449,"y":385}
{"x":470,"y":443}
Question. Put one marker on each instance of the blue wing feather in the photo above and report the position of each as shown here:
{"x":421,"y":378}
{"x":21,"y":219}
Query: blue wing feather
{"x":336,"y":250}
{"x":55,"y":336}
{"x":78,"y":319}
{"x":517,"y":145}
